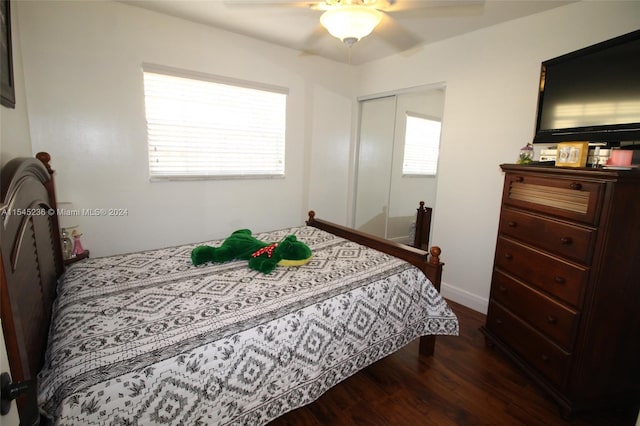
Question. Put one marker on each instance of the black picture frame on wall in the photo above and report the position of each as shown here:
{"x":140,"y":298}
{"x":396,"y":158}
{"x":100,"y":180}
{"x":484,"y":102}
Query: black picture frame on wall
{"x":7,"y":89}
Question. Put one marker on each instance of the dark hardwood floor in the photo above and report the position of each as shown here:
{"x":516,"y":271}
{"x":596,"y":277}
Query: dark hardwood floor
{"x":464,"y":383}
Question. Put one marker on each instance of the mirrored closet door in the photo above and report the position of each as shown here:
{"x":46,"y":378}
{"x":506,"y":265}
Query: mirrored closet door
{"x":398,"y":146}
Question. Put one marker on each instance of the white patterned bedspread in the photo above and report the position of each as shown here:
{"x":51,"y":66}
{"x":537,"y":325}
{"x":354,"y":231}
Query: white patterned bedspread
{"x":148,"y":338}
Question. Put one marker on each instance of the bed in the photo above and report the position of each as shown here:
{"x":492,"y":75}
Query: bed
{"x":148,"y":338}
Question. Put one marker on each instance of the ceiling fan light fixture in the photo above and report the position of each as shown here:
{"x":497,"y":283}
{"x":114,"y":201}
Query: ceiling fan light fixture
{"x":350,"y":23}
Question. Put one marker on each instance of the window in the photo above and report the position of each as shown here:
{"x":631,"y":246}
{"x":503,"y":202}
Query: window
{"x":203,"y":126}
{"x":421,"y":145}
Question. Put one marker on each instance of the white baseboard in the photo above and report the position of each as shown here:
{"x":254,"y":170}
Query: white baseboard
{"x":465,"y":298}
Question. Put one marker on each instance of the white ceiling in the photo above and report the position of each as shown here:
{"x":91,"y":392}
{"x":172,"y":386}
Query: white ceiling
{"x":407,"y":24}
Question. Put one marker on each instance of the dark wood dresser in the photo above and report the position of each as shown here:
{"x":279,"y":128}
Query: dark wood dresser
{"x":565,"y":291}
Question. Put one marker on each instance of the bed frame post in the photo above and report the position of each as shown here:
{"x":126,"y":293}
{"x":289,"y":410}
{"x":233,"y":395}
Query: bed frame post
{"x":427,"y":345}
{"x":423,"y":227}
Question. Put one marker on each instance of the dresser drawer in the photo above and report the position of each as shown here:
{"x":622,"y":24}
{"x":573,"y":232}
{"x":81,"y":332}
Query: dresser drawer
{"x":552,"y":319}
{"x":561,"y":279}
{"x":561,"y":197}
{"x":571,"y":241}
{"x":534,"y":348}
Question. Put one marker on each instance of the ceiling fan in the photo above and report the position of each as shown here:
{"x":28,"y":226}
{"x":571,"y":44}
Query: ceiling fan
{"x":352,"y":20}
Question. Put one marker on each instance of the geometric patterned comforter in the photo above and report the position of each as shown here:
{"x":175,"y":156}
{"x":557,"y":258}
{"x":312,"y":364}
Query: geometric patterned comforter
{"x":148,"y":338}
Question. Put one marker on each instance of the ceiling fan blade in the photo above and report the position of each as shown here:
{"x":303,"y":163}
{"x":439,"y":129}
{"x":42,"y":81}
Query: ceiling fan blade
{"x":271,"y":3}
{"x":312,"y":44}
{"x":319,"y":33}
{"x":394,"y":34}
{"x":436,"y":8}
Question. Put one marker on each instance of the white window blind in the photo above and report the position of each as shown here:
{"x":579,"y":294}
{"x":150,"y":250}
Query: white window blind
{"x":205,"y":126}
{"x":421,"y":145}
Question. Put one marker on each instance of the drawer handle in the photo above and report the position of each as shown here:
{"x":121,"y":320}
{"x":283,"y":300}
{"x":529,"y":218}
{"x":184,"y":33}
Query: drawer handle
{"x":559,"y":280}
{"x":511,"y":224}
{"x":545,"y":358}
{"x":551,"y":319}
{"x":502,"y":289}
{"x":499,"y":321}
{"x":508,"y":256}
{"x":576,"y":186}
{"x":519,"y":179}
{"x":566,"y":240}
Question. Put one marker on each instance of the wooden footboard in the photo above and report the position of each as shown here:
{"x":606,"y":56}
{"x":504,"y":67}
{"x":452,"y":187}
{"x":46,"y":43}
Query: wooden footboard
{"x":429,"y":263}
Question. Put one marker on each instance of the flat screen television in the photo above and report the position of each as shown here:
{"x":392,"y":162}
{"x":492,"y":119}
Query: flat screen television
{"x":592,"y":94}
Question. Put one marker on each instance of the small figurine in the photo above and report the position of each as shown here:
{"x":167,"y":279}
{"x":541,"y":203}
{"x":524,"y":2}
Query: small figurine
{"x":526,"y":154}
{"x":67,"y":245}
{"x":77,"y":245}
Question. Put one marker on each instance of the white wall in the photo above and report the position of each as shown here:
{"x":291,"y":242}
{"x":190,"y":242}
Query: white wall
{"x":491,"y":77}
{"x":82,"y":64}
{"x":15,"y":139}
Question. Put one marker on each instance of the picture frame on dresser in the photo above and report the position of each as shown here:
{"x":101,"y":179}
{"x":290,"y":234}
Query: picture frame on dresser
{"x":572,"y":154}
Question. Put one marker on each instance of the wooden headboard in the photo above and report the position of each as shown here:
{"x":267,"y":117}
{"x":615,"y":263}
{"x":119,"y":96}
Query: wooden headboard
{"x":31,"y":263}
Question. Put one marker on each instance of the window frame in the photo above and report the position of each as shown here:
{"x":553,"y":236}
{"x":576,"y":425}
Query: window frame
{"x":221,"y":80}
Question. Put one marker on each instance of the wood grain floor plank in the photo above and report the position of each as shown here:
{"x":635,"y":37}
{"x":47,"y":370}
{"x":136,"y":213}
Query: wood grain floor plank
{"x":464,"y":383}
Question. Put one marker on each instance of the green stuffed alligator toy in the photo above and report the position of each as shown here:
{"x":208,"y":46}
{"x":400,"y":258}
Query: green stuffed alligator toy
{"x":263,"y":257}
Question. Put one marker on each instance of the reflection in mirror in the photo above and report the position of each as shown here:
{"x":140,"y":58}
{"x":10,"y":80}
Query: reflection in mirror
{"x":397,"y":164}
{"x":375,"y":149}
